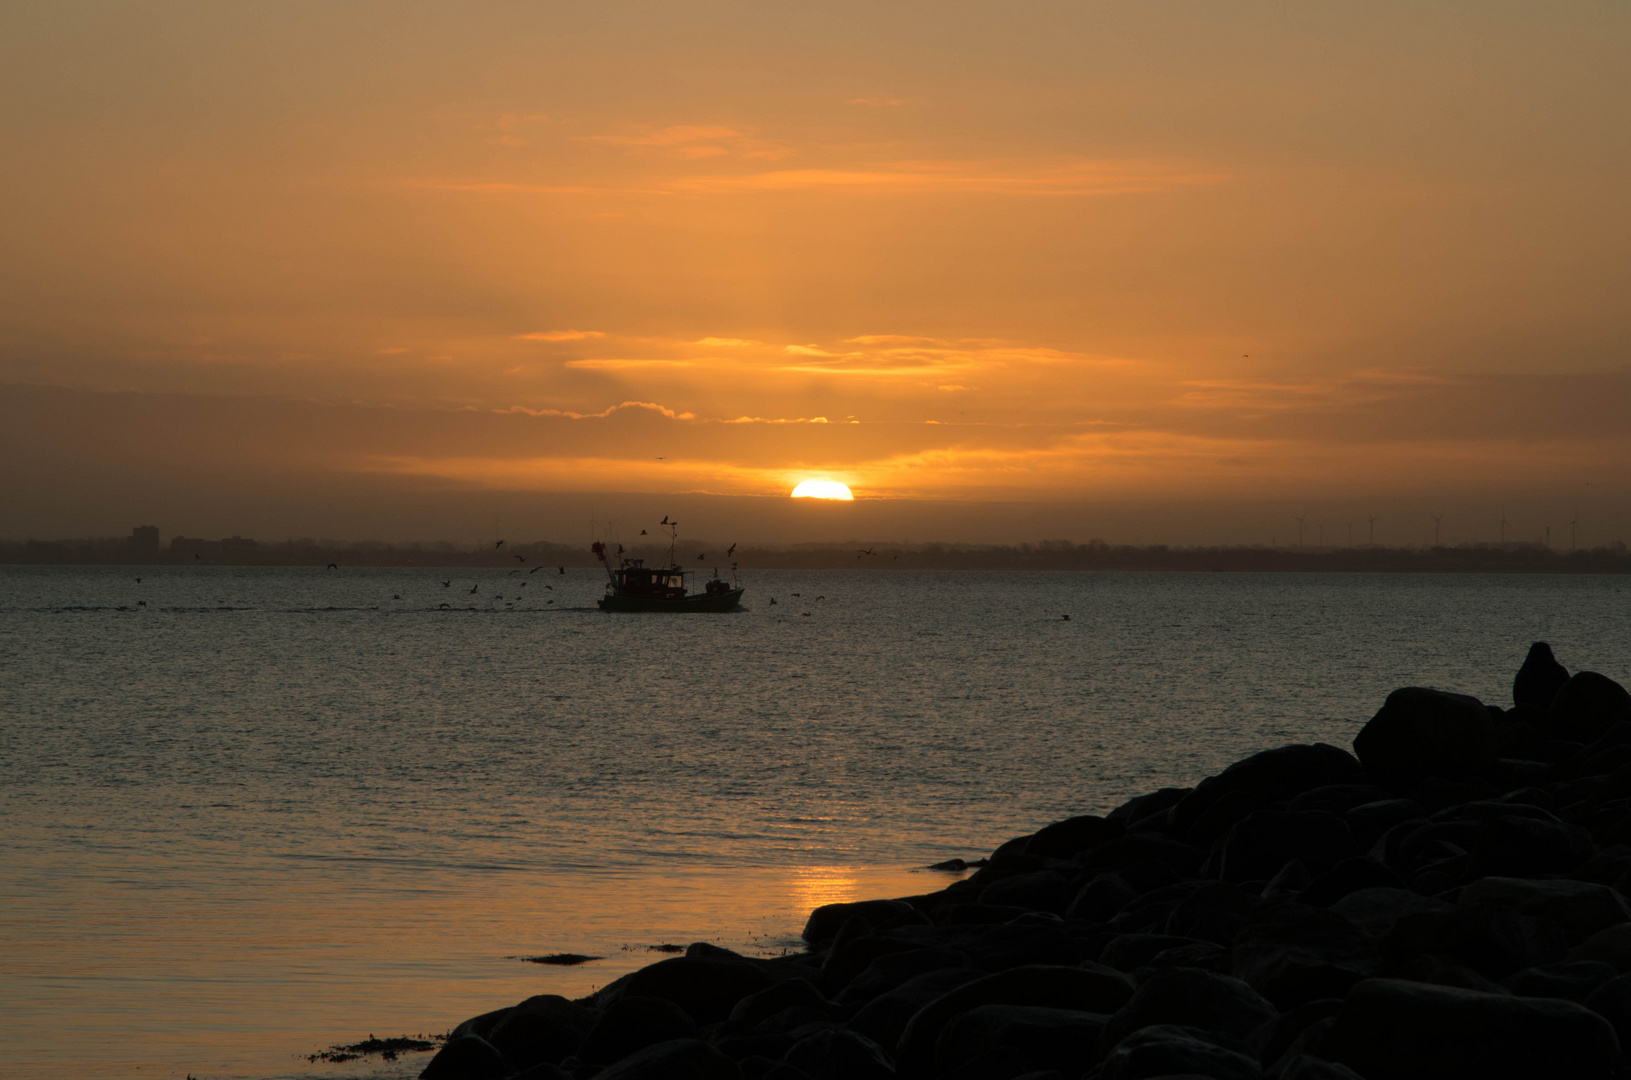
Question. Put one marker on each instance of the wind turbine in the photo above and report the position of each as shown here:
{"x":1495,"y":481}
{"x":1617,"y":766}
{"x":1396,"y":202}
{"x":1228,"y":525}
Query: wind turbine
{"x":1298,"y":518}
{"x":1373,"y":520}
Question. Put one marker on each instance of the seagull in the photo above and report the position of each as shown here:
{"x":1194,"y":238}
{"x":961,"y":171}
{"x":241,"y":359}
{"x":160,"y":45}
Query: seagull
{"x":498,"y":545}
{"x":664,"y":521}
{"x":866,"y":551}
{"x":642,"y":532}
{"x":701,"y":557}
{"x":520,"y":558}
{"x":1067,"y":618}
{"x":728,"y":553}
{"x":798,"y":594}
{"x":138,"y":581}
{"x":196,"y":555}
{"x":549,"y":601}
{"x":141,"y":603}
{"x":333,"y":566}
{"x":473,"y":588}
{"x":396,"y":598}
{"x":805,"y":613}
{"x":551,"y":588}
{"x":442,"y":605}
{"x":772,"y":599}
{"x":563,"y":569}
{"x":446,"y":583}
{"x":535,"y":569}
{"x":515,"y":571}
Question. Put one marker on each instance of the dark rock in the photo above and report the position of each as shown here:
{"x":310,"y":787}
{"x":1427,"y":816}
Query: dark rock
{"x":977,"y":914}
{"x":1003,"y":947}
{"x":1574,"y":981}
{"x":1044,"y":1038}
{"x":840,"y":1055}
{"x":1270,"y":775}
{"x":885,"y":1017}
{"x":1375,"y":911}
{"x":1497,"y":941}
{"x":1069,"y":838}
{"x":545,"y":1028}
{"x":1309,"y":1067}
{"x":543,"y":1071}
{"x":1136,"y":848}
{"x":1612,"y":1001}
{"x":631,"y":1024}
{"x":1293,"y":953}
{"x":1539,"y":679}
{"x":1369,"y":821}
{"x":706,"y":989}
{"x":889,"y":971}
{"x":1261,"y":843}
{"x":1304,"y":1045}
{"x":825,"y":921}
{"x":1586,"y":706}
{"x":998,"y":1063}
{"x":1438,"y":792}
{"x":1170,"y":1051}
{"x":1394,"y":1030}
{"x":1288,"y":881}
{"x":1132,"y":951}
{"x":1201,"y":954}
{"x":1338,"y":798}
{"x":1214,"y":912}
{"x":1190,"y":998}
{"x":482,"y":1025}
{"x":1043,"y":890}
{"x":1417,"y":847}
{"x":1093,"y":989}
{"x":775,"y":998}
{"x":1143,"y":806}
{"x":1513,"y":846}
{"x":1420,"y":732}
{"x":1100,"y":898}
{"x":681,"y":1059}
{"x":1580,"y":908}
{"x":1612,"y":946}
{"x":1348,"y":876}
{"x":1442,"y":969}
{"x":1147,"y":875}
{"x":467,"y":1057}
{"x":1271,"y":1041}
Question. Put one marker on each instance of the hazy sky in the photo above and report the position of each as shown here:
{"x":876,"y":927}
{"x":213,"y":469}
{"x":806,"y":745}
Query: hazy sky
{"x":1175,"y":255}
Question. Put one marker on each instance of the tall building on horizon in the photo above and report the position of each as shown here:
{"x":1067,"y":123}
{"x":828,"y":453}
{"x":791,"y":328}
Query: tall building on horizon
{"x":145,"y":538}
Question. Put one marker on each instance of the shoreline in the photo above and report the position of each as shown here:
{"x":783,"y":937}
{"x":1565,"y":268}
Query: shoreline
{"x":1447,"y":900}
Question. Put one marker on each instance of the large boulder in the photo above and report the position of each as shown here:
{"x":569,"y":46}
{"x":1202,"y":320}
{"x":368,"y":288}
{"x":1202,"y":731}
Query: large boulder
{"x":631,"y":1024}
{"x":825,"y":921}
{"x":1539,"y":679}
{"x":681,"y":1059}
{"x":1189,"y":997}
{"x":1173,"y":1051}
{"x":1420,"y":732}
{"x":1263,"y":778}
{"x":1580,"y":908}
{"x":835,"y":1054}
{"x":1586,"y":706}
{"x":1090,"y":989}
{"x":1293,"y":953}
{"x":1059,"y":1039}
{"x":1389,"y":1029}
{"x":705,"y":989}
{"x":1258,"y":845}
{"x":541,"y":1029}
{"x":467,"y":1057}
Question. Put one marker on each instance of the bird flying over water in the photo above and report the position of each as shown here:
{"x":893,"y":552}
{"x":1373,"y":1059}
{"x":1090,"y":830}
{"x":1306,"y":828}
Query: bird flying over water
{"x":520,"y":558}
{"x":535,"y":569}
{"x":563,"y":569}
{"x":730,"y":551}
{"x":333,"y":566}
{"x":772,"y":599}
{"x":473,"y":588}
{"x":551,"y":588}
{"x":446,"y":583}
{"x":664,"y":521}
{"x":138,"y":581}
{"x":866,"y":551}
{"x":498,"y":545}
{"x":642,"y":532}
{"x":1067,"y":618}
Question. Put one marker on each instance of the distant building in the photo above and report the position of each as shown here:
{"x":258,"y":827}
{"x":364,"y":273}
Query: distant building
{"x":145,"y":538}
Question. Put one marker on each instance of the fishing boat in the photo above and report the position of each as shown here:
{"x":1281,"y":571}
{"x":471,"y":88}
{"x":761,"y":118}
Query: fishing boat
{"x":631,"y":585}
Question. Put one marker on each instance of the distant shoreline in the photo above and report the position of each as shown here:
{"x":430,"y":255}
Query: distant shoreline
{"x":1512,"y":558}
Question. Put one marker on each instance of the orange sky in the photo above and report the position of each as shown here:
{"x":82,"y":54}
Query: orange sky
{"x":1180,"y":256}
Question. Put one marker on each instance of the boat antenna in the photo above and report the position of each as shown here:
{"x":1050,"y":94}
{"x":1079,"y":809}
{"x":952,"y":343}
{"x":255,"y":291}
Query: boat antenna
{"x":673,"y":539}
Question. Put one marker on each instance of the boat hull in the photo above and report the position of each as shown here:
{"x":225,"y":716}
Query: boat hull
{"x":725,"y":601}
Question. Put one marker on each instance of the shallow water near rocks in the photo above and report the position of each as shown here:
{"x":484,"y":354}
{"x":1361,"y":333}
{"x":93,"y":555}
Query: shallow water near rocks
{"x":275,"y":809}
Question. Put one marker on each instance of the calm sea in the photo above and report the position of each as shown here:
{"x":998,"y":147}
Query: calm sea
{"x":248,"y":813}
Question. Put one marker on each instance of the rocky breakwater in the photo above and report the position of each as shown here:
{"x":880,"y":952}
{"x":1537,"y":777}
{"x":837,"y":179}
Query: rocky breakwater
{"x":1447,"y":901}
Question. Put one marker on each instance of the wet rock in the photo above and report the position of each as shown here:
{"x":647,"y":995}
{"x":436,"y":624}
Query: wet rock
{"x":1003,"y":947}
{"x":1611,"y":946}
{"x":482,"y":1025}
{"x":839,"y":1055}
{"x":1293,"y":954}
{"x":1539,"y":679}
{"x":1586,"y":706}
{"x":1092,"y":989}
{"x":977,"y":914}
{"x":1143,"y":807}
{"x":544,"y":1071}
{"x":1612,"y":1001}
{"x":1442,"y":969}
{"x":1135,"y":849}
{"x":1215,"y":912}
{"x":1288,"y":881}
{"x":1369,"y":821}
{"x":1168,"y":1050}
{"x":1338,"y":798}
{"x":1043,"y":1038}
{"x":631,"y":1024}
{"x":541,"y":1029}
{"x":1498,"y":941}
{"x":1189,"y":998}
{"x":1262,"y":842}
{"x":1129,"y":952}
{"x":1308,"y":1067}
{"x":706,"y":989}
{"x":1420,"y":732}
{"x":467,"y":1057}
{"x":681,"y":1059}
{"x":1389,"y":1029}
{"x":1575,"y":980}
{"x":792,"y":993}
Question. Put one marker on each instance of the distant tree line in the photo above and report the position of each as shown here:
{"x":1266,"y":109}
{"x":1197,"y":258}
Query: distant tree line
{"x":1509,"y":558}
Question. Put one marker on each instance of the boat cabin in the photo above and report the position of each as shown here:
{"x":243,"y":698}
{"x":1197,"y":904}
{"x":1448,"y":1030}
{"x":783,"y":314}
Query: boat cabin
{"x":635,"y":579}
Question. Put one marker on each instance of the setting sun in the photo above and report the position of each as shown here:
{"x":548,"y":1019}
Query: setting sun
{"x":822,"y":489}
